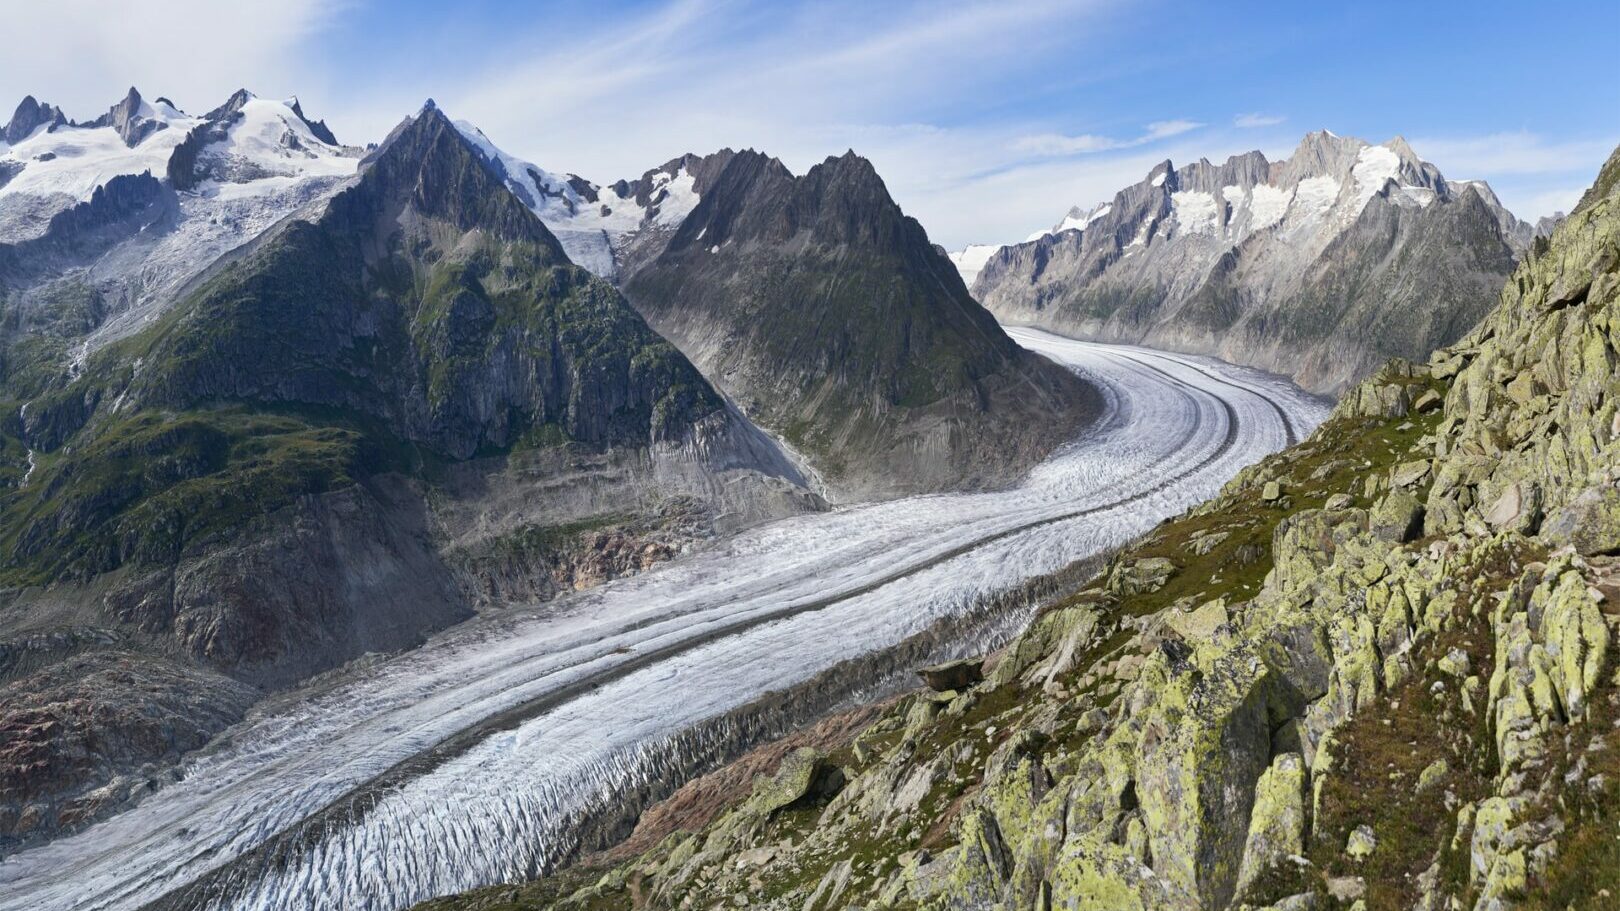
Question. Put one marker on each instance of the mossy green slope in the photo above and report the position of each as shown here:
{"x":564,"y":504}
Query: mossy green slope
{"x":1376,"y":672}
{"x":423,"y":315}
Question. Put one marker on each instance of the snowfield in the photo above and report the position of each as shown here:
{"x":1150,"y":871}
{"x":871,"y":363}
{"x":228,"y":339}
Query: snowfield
{"x":594,"y":686}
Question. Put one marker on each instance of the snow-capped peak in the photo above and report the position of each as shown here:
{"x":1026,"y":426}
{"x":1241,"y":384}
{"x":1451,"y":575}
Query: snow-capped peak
{"x":1307,"y":199}
{"x":971,"y":259}
{"x":592,"y":221}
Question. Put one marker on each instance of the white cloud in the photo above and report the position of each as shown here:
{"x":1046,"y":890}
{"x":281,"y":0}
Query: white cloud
{"x":1162,"y":129}
{"x":1531,"y":174}
{"x":1251,"y":121}
{"x":83,"y":55}
{"x":1057,"y":144}
{"x":1513,"y":153}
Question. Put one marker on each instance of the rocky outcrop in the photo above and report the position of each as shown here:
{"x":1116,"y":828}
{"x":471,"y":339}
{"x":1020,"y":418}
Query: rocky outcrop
{"x":131,"y":118}
{"x":94,"y":731}
{"x":1381,"y":705}
{"x":30,"y":116}
{"x":826,"y":314}
{"x":1321,"y":266}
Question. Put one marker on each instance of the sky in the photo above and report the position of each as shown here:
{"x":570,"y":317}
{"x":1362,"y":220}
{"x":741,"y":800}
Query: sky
{"x":987,"y":120}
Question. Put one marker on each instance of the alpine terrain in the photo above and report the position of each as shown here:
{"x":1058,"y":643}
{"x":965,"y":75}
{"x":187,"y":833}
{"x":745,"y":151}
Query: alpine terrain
{"x":1319,"y":267}
{"x":1377,"y":671}
{"x":824,"y":312}
{"x":399,"y":403}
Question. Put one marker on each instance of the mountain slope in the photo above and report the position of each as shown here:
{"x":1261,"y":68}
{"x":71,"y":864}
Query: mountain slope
{"x":1377,"y":671}
{"x":403,"y":405}
{"x":1304,"y":266}
{"x":99,"y":230}
{"x":828,"y":316}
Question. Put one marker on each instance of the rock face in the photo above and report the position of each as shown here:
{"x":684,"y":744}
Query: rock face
{"x":1320,"y":266}
{"x":821,"y":309}
{"x":30,"y":116}
{"x":1392,"y":708}
{"x":398,"y":407}
{"x":824,"y":311}
{"x":133,"y":118}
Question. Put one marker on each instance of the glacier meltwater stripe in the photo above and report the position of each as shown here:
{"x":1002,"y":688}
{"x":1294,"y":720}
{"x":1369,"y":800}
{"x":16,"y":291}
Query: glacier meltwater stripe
{"x":468,"y":760}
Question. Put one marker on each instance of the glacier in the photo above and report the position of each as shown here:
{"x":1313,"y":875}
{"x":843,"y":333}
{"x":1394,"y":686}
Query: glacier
{"x":472,"y":759}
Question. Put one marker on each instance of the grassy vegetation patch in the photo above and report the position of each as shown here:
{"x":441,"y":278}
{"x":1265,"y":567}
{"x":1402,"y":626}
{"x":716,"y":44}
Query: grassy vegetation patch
{"x":145,"y":487}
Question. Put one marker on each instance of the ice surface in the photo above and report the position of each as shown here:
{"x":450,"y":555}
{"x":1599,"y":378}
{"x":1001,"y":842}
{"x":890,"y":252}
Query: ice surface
{"x":73,"y":161}
{"x":1314,"y":196}
{"x":1195,"y":211}
{"x":1268,"y":206}
{"x":1375,"y":166}
{"x":971,"y":259}
{"x":766,"y":609}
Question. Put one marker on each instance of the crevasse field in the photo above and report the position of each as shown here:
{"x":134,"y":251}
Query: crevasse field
{"x":607,"y":678}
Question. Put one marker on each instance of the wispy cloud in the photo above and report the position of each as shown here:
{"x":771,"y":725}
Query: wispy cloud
{"x":1251,"y":121}
{"x":1532,"y":174}
{"x":1513,"y":153}
{"x":84,"y":54}
{"x":1058,"y":144}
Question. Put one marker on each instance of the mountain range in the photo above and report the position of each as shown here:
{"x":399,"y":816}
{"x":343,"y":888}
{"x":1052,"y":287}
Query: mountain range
{"x":270,"y":403}
{"x":1378,"y":670}
{"x":393,"y":407}
{"x":1320,"y":266}
{"x":823,"y":311}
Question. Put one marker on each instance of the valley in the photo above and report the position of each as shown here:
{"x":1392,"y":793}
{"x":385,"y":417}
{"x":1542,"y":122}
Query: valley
{"x":477,"y":757}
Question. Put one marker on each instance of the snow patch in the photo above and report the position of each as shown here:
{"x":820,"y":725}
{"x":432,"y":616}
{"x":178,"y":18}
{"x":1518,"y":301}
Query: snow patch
{"x":1375,"y":165}
{"x":1195,"y":210}
{"x":1267,"y":205}
{"x":1158,"y":179}
{"x":970,"y":260}
{"x":1313,"y":196}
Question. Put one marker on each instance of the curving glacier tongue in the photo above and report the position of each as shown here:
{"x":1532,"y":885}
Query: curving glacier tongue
{"x":474,"y":758}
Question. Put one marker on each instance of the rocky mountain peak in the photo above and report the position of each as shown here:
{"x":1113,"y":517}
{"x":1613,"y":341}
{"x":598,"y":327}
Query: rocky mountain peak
{"x":133,"y":118}
{"x":28,"y":117}
{"x":318,"y":127}
{"x":1223,"y":251}
{"x":236,"y":102}
{"x":1400,"y":147}
{"x":428,"y":164}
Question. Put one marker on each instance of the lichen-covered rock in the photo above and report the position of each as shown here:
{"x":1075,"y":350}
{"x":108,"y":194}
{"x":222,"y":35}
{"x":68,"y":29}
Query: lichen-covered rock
{"x":805,"y":774}
{"x":953,"y":675}
{"x":1398,"y":517}
{"x":1277,"y":822}
{"x":1590,"y":522}
{"x":1361,"y":843}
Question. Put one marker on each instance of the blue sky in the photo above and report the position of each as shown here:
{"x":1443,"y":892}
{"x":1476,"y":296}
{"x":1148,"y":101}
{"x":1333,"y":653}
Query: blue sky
{"x":986,"y":119}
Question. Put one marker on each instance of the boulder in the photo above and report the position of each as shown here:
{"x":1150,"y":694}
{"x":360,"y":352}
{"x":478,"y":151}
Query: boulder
{"x":1277,"y":822}
{"x":1138,"y":577}
{"x":1361,"y":843}
{"x":1408,"y":474}
{"x":1516,"y":508}
{"x":1397,"y":518}
{"x":805,"y":776}
{"x":1590,"y":522}
{"x":953,"y":675}
{"x":1198,"y":625}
